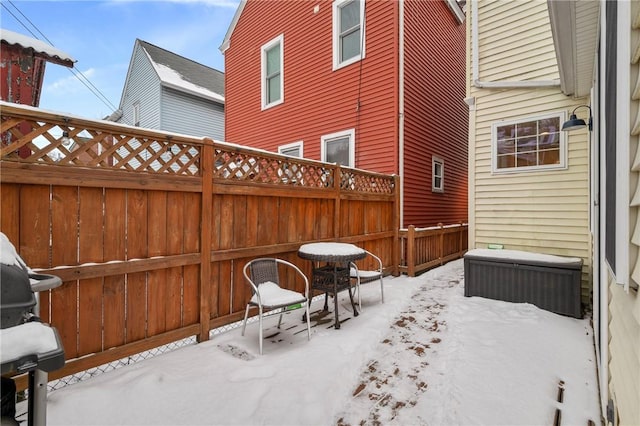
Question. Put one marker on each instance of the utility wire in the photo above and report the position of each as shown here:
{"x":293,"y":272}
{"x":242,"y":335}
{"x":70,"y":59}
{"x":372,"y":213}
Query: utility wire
{"x":74,"y":71}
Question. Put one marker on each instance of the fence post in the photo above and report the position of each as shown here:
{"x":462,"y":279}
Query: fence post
{"x":206,"y":174}
{"x":461,"y":239}
{"x":441,"y":253}
{"x":411,"y":251}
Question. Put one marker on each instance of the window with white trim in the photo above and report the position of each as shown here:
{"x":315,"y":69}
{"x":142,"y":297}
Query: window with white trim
{"x":339,"y":148}
{"x":272,"y":75}
{"x":437,"y":174}
{"x":348,"y":32}
{"x":529,"y":144}
{"x":292,"y":149}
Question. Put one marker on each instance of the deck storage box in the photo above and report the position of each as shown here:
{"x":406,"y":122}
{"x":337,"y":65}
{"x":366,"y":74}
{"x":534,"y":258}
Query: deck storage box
{"x":550,"y":282}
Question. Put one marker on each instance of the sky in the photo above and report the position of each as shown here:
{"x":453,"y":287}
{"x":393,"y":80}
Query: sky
{"x":427,"y":356}
{"x":100,"y":36}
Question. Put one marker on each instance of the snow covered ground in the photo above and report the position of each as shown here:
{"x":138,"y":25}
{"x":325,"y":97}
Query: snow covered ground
{"x":427,"y":356}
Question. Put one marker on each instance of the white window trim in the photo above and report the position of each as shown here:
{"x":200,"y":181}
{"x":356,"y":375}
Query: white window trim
{"x":263,"y":71}
{"x":298,"y":145}
{"x":336,"y":36}
{"x":351,"y":133}
{"x":563,"y":145}
{"x":437,"y":160}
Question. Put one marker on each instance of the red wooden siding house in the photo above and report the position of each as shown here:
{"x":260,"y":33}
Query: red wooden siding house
{"x":376,"y":85}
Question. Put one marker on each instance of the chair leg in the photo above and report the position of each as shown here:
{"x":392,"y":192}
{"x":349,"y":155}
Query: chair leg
{"x":308,"y":323}
{"x":280,"y":319}
{"x":260,"y":332}
{"x":359,"y":297}
{"x":246,"y":315}
{"x":382,"y":289}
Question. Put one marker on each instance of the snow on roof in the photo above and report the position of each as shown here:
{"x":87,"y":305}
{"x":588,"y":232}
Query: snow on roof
{"x":185,"y":74}
{"x":38,"y":46}
{"x":173,"y":78}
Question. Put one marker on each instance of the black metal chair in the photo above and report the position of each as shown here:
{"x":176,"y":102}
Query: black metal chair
{"x":268,"y":296}
{"x":363,"y":276}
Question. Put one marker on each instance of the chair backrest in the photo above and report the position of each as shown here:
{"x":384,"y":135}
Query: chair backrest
{"x":263,"y":270}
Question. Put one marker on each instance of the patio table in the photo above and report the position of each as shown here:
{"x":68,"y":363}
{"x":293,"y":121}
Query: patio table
{"x":332,"y":277}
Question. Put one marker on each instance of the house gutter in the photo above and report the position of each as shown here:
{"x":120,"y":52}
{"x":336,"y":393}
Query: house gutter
{"x":475,"y":68}
{"x":401,"y":107}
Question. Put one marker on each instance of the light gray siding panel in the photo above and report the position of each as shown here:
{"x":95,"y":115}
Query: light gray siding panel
{"x":191,"y":115}
{"x":143,"y":85}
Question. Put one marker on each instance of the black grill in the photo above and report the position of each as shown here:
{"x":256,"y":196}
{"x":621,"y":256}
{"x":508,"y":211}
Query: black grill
{"x":18,"y":318}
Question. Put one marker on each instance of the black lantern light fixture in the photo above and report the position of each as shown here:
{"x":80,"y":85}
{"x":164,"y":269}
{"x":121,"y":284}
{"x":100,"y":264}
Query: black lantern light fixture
{"x":577,"y":123}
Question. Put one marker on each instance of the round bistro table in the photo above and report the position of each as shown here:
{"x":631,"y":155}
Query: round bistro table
{"x":332,"y":277}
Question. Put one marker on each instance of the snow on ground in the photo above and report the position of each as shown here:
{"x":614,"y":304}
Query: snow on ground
{"x":428,"y":355}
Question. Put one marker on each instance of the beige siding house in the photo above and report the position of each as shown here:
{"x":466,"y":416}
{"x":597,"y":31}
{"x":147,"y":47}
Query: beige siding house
{"x":523,"y":195}
{"x":540,"y":62}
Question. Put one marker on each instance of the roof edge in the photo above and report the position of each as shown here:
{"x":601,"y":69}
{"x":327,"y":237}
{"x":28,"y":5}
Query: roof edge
{"x":227,"y":37}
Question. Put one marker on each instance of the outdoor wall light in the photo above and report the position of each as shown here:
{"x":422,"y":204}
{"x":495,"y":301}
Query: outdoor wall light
{"x":577,"y":123}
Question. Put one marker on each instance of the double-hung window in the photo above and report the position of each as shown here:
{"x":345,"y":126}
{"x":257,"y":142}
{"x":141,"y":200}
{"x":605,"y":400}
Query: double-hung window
{"x":529,"y":144}
{"x":437,"y":174}
{"x":272,"y":72}
{"x":348,"y":32}
{"x":339,"y":148}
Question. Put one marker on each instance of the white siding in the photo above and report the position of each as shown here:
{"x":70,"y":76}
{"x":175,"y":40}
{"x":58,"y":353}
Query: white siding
{"x":142,"y":85}
{"x":515,"y":41}
{"x":539,"y":211}
{"x":624,"y":349}
{"x":191,"y":115}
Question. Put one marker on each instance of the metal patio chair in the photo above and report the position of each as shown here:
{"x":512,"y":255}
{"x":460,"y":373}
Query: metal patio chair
{"x":362,"y":276}
{"x":268,"y":296}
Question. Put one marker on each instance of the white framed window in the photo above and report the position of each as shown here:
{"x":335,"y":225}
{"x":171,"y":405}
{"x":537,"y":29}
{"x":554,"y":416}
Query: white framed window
{"x":292,"y":149}
{"x":437,"y":174}
{"x":348,"y":32}
{"x":529,"y":144}
{"x":339,"y":148}
{"x":136,"y":113}
{"x":272,"y":74}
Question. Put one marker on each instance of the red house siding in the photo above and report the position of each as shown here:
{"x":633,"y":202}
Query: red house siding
{"x":436,"y":116}
{"x":317,"y":100}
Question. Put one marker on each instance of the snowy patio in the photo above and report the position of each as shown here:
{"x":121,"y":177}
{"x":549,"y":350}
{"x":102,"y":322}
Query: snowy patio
{"x":427,"y":356}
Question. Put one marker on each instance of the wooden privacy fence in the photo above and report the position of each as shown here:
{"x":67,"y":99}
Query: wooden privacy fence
{"x":149,"y":231}
{"x":425,"y":248}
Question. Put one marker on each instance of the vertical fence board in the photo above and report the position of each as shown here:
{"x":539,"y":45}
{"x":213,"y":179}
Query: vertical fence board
{"x":239,"y":224}
{"x":64,"y":250}
{"x":136,"y":249}
{"x":90,"y":235}
{"x":253,"y":214}
{"x":284,"y":212}
{"x":267,"y":229}
{"x":191,"y":279}
{"x":175,"y":243}
{"x":226,"y":224}
{"x":157,"y":280}
{"x":223,"y":298}
{"x":115,"y":208}
{"x":33,"y":244}
{"x":9,"y":212}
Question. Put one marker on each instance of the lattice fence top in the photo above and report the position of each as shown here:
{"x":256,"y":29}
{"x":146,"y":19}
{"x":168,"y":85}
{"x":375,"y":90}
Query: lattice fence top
{"x":39,"y":137}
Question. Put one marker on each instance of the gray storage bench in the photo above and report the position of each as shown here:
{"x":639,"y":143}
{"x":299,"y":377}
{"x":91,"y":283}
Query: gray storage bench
{"x":550,"y":282}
